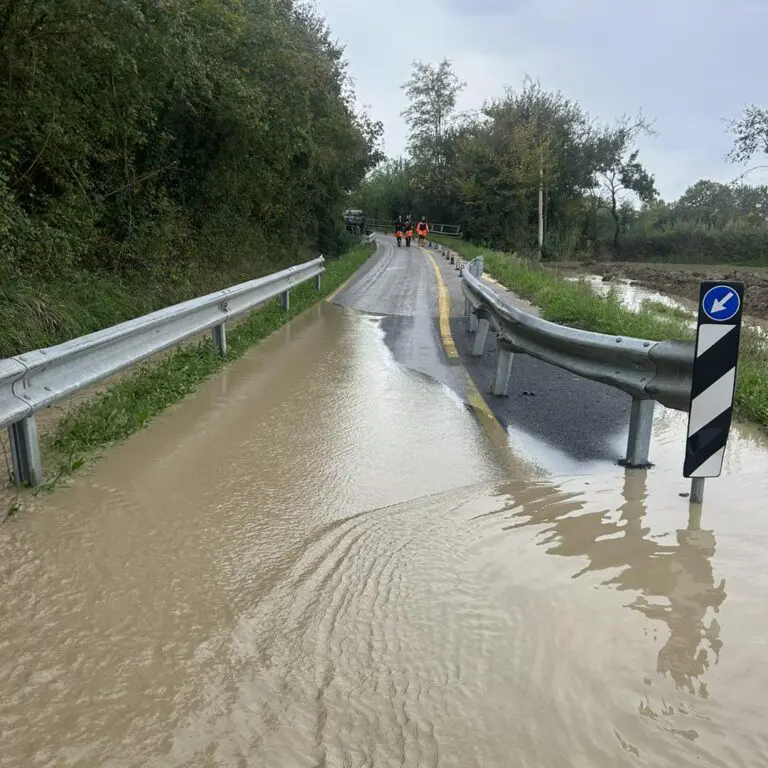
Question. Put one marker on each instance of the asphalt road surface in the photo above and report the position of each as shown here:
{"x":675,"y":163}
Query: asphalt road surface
{"x":565,"y":422}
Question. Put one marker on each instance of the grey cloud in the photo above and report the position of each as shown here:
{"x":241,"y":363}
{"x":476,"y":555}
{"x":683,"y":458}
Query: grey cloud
{"x":479,"y":7}
{"x":686,"y":63}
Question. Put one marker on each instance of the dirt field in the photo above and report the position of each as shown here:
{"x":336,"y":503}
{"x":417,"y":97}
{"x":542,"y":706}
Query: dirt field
{"x":682,"y":280}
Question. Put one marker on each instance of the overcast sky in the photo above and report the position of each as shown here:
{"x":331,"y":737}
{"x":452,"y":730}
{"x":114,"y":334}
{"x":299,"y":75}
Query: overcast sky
{"x":687,"y":63}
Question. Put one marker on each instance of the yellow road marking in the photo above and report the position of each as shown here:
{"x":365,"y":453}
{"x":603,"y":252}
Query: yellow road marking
{"x":444,"y":308}
{"x":476,"y":400}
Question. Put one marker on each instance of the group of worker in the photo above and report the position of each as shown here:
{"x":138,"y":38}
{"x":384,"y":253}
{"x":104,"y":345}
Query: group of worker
{"x":404,"y":228}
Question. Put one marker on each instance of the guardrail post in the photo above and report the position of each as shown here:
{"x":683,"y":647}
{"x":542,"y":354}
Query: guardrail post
{"x":25,"y":451}
{"x":640,"y":426}
{"x":472,"y":320}
{"x":219,"y":335}
{"x":318,"y":281}
{"x":482,"y":333}
{"x":503,"y":372}
{"x":285,"y":300}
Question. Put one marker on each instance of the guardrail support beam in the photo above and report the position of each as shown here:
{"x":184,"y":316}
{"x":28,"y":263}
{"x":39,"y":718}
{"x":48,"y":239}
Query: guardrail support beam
{"x":25,"y":452}
{"x":503,"y":372}
{"x":482,"y":333}
{"x":285,"y":300}
{"x":472,"y":321}
{"x":640,"y":426}
{"x":318,"y":281}
{"x":219,"y":335}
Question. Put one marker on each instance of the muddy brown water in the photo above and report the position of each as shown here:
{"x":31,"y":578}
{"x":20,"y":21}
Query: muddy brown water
{"x":320,"y":559}
{"x":669,"y":279}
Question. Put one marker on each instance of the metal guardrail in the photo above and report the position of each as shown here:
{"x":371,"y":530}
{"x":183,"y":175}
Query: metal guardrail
{"x":448,"y":230}
{"x":34,"y":380}
{"x":649,"y":371}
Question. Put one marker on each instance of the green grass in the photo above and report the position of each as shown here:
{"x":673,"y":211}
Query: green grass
{"x":133,"y":402}
{"x":41,"y":309}
{"x":574,"y":303}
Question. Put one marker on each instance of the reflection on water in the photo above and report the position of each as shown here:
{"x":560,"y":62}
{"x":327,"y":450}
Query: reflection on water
{"x":629,"y":293}
{"x":674,"y":582}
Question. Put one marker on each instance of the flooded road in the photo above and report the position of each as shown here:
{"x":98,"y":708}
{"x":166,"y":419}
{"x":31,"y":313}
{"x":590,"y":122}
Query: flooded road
{"x":320,"y":559}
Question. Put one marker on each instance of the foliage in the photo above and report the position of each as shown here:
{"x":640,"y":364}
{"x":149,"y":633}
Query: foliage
{"x":484,"y":172}
{"x":710,"y":223}
{"x":660,"y":308}
{"x":599,"y":199}
{"x":141,"y":138}
{"x":692,"y":243}
{"x":619,"y":173}
{"x":388,"y":191}
{"x":750,"y":133}
{"x":432,"y":93}
{"x":430,"y":115}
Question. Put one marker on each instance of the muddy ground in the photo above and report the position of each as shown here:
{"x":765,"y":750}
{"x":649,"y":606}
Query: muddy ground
{"x":683,"y":281}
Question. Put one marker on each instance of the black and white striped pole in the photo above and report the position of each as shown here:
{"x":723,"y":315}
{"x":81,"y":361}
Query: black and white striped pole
{"x":714,"y":382}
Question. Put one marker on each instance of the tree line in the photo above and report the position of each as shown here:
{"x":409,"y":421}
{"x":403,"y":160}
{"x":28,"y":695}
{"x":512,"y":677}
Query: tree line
{"x":137,"y":136}
{"x":487,"y":171}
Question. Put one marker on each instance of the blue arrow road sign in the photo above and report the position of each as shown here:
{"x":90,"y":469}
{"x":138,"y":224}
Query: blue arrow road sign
{"x":721,"y":303}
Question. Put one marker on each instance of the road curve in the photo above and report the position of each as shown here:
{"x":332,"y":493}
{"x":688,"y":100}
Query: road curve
{"x":561,"y":421}
{"x":318,"y":559}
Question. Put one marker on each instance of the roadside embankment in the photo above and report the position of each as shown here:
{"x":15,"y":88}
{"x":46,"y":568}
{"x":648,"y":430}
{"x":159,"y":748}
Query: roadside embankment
{"x":127,"y":405}
{"x":574,"y":303}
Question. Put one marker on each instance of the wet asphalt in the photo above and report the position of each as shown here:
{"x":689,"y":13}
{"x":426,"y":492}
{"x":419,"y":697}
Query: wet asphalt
{"x":564,"y":422}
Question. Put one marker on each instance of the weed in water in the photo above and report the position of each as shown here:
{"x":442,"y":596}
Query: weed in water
{"x":13,"y":508}
{"x":660,"y":308}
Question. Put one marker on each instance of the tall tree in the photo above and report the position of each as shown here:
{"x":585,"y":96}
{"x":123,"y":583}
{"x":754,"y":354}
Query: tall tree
{"x":620,"y":175}
{"x":432,"y":92}
{"x":750,"y":133}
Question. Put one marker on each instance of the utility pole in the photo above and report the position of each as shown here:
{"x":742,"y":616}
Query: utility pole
{"x":541,"y":204}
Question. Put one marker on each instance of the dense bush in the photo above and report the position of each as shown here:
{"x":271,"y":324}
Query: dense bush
{"x":139,"y":136}
{"x":703,"y":246}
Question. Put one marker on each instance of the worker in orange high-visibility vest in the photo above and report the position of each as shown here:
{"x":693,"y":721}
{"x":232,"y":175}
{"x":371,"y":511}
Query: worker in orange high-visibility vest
{"x":422,"y":230}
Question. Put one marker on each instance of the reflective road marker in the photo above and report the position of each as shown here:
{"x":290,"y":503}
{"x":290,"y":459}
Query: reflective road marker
{"x":714,"y":381}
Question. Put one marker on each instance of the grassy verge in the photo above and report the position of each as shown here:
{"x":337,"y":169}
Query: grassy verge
{"x":574,"y":303}
{"x":130,"y":404}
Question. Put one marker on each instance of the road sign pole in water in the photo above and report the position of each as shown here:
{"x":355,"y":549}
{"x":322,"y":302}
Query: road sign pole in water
{"x":714,"y":381}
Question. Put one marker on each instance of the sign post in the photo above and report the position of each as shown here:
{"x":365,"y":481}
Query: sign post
{"x":714,"y":381}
